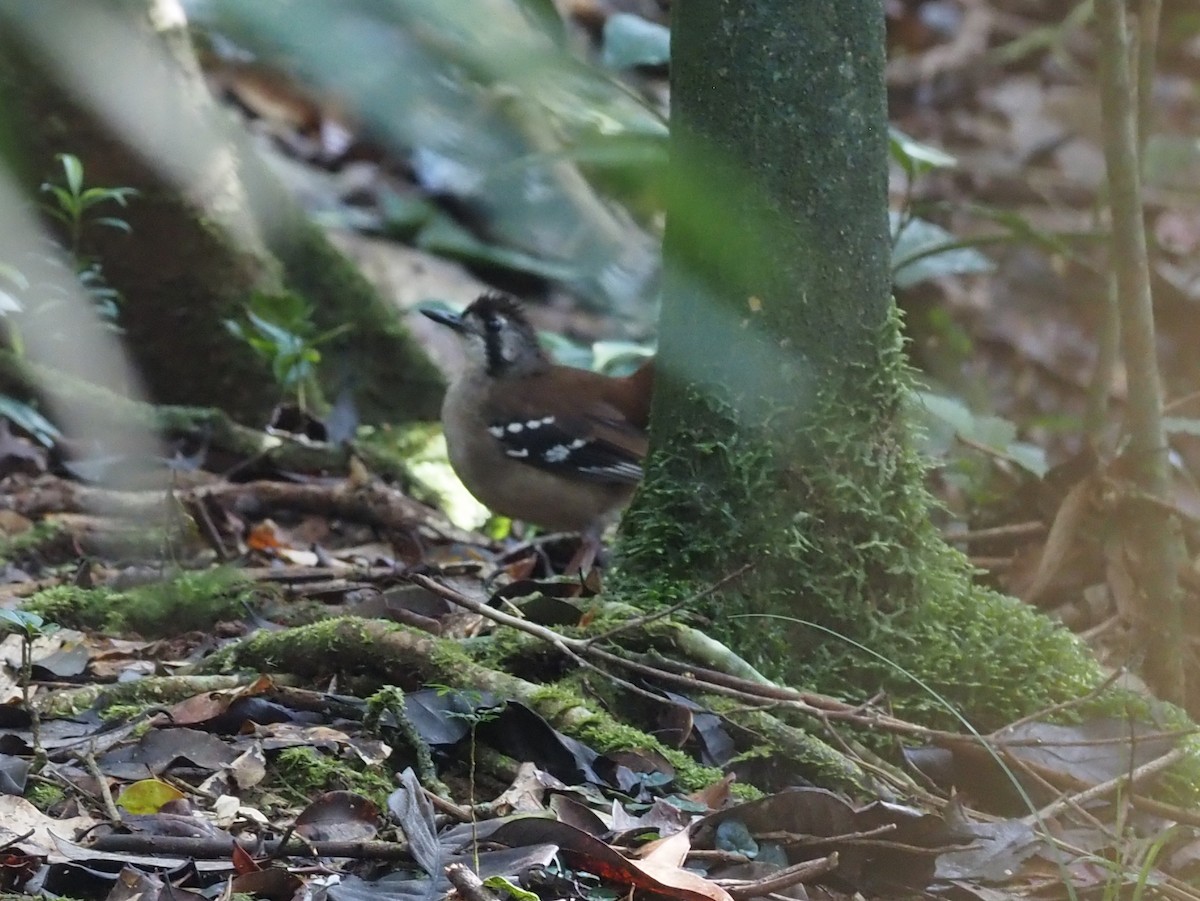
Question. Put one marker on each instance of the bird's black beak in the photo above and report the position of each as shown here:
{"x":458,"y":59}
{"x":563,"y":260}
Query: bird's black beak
{"x":444,"y":317}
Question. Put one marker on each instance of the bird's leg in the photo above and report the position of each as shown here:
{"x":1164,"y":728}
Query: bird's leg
{"x":589,"y":547}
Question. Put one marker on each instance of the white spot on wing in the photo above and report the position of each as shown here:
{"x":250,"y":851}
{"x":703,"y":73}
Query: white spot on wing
{"x":518,"y":452}
{"x":577,"y":444}
{"x":618,"y":470}
{"x":557,"y":454}
{"x":496,"y":431}
{"x":515,"y":427}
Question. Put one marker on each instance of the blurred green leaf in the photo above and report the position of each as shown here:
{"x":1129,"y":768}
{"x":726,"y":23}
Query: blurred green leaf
{"x":30,"y":624}
{"x":486,"y":109}
{"x":619,"y":357}
{"x":73,"y":169}
{"x":446,"y":237}
{"x":630,"y":40}
{"x":945,"y":419}
{"x":914,"y":157}
{"x":923,"y":250}
{"x":20,"y":414}
{"x":14,"y":276}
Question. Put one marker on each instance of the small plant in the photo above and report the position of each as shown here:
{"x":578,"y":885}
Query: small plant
{"x":74,"y":205}
{"x":30,"y":627}
{"x":478,"y":714}
{"x":37,"y":284}
{"x":279,"y":328}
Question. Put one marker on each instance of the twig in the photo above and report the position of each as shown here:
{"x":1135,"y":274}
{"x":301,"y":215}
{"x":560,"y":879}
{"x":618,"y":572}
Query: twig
{"x":1058,"y":708}
{"x":88,"y":759}
{"x":468,"y":885}
{"x":1153,"y":535}
{"x":647,"y":618}
{"x":803,"y":840}
{"x":752,"y":693}
{"x":16,"y":840}
{"x":1014,"y":530}
{"x":219,"y":848}
{"x":785,"y":878}
{"x":819,"y":707}
{"x":447,"y":807}
{"x":1103,"y":789}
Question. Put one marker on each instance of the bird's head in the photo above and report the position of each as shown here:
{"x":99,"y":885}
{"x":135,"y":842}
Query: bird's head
{"x":498,"y":337}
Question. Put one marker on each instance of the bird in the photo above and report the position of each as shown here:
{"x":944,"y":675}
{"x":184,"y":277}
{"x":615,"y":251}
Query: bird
{"x":547,"y":444}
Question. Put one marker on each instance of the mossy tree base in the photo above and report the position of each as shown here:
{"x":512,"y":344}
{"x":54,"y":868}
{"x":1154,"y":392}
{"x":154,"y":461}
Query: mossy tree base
{"x":847,"y":545}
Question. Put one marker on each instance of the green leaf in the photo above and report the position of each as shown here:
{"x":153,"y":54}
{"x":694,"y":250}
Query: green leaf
{"x":73,"y":170}
{"x":619,"y":357}
{"x":26,"y":417}
{"x":923,"y":250}
{"x":65,"y":199}
{"x":23,"y":621}
{"x":14,"y":276}
{"x":630,"y":40}
{"x":289,"y":311}
{"x":914,"y":157}
{"x":281,"y":335}
{"x":945,"y":418}
{"x":113,"y":222}
{"x":566,"y":351}
{"x":504,"y":887}
{"x":96,"y":195}
{"x":335,"y":332}
{"x":444,"y":236}
{"x":148,"y":796}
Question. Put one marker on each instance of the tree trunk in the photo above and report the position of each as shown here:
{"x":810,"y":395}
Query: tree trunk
{"x":779,"y":435}
{"x":117,"y":84}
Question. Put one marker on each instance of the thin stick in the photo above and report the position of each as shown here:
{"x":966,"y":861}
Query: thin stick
{"x":667,"y":611}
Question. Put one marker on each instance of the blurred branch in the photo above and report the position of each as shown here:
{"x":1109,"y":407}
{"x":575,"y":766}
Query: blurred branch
{"x":1149,"y":16}
{"x":1153,"y":536}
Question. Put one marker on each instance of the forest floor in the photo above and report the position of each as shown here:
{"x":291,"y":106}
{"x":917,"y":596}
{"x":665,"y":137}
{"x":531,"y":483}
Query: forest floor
{"x":249,"y":674}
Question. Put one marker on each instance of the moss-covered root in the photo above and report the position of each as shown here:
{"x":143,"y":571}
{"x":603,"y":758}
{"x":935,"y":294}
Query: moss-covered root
{"x":371,"y":653}
{"x":809,"y":757}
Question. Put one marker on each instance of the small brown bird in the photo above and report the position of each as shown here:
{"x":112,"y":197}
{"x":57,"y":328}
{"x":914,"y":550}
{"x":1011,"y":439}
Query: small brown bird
{"x":551,"y":445}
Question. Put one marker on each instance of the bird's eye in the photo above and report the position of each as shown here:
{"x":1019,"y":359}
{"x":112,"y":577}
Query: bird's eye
{"x":495,"y":323}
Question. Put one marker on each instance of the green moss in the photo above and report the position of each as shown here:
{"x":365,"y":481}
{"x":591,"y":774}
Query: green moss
{"x":305,"y":773}
{"x":449,"y":656}
{"x":118,"y":713}
{"x":43,"y":537}
{"x":604,"y":734}
{"x":44,"y":796}
{"x":187,"y":601}
{"x":608,"y":736}
{"x":74,"y":608}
